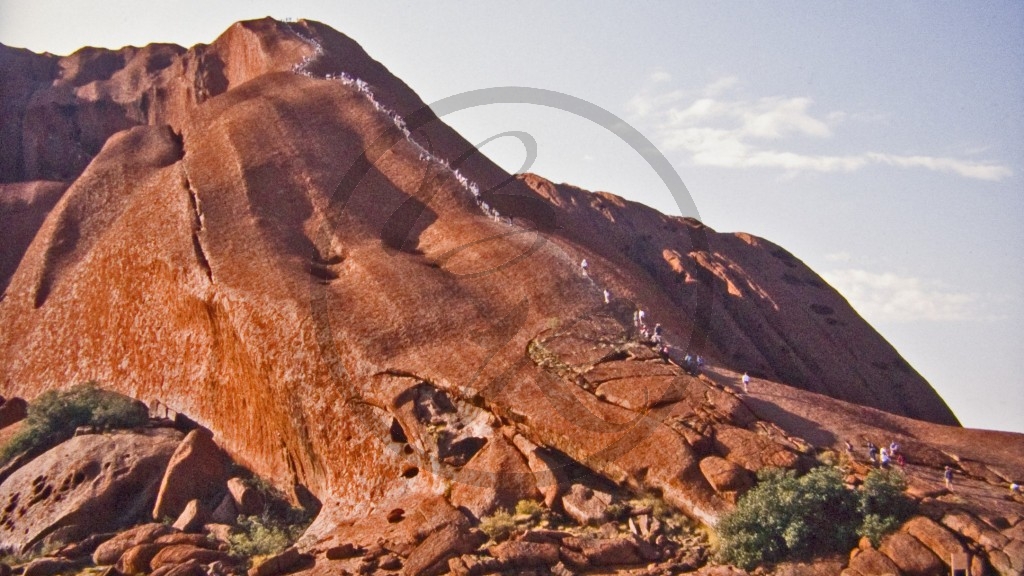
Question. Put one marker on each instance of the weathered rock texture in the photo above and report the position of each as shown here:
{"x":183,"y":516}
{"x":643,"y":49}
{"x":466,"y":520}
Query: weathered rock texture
{"x":87,"y":485}
{"x":243,"y":233}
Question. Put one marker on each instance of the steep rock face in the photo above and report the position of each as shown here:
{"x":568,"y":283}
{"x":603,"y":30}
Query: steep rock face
{"x":745,"y":302}
{"x":268,"y":252}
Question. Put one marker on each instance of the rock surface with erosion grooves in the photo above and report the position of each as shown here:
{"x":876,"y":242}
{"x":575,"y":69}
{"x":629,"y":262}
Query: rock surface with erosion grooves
{"x":87,"y":485}
{"x":244,"y":232}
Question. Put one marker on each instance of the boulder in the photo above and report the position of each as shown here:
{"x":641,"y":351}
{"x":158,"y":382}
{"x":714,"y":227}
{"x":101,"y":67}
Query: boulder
{"x":1015,"y":553}
{"x":219,"y":532}
{"x":226,"y":512}
{"x":47,"y":566}
{"x":136,"y":559}
{"x":726,"y":477}
{"x":548,"y":473}
{"x":84,"y":547}
{"x":191,"y":568}
{"x":198,"y":470}
{"x":200,"y":540}
{"x":911,"y":556}
{"x":110,"y":551}
{"x":11,"y":411}
{"x":939,"y":540}
{"x":284,"y":562}
{"x":248,"y":500}
{"x":183,"y":553}
{"x":586,"y":505}
{"x":192,"y":517}
{"x":871,"y":562}
{"x":431,"y":556}
{"x":343,"y":551}
{"x":86,"y":485}
{"x":520,"y":554}
{"x":751,"y":451}
{"x":495,"y":477}
{"x":605,"y":551}
{"x":970,"y":527}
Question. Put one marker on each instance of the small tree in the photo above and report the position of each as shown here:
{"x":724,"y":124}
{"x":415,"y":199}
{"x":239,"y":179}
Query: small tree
{"x":786,"y":516}
{"x":882,"y":504}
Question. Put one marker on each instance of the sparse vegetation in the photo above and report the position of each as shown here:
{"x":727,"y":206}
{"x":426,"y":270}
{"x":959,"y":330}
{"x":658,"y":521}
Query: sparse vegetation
{"x":786,"y":516}
{"x":53,"y":417}
{"x":882,"y":504}
{"x":277,"y":528}
{"x":529,"y":508}
{"x":263,"y":535}
{"x":499,"y":526}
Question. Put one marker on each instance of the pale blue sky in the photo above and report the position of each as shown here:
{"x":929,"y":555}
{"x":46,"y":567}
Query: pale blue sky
{"x":880,"y":142}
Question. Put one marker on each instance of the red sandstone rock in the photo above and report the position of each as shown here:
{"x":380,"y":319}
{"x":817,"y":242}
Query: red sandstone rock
{"x":225,"y":513}
{"x":86,"y":485}
{"x":177,"y":554}
{"x":281,"y":563}
{"x":496,"y":477}
{"x":248,"y":500}
{"x":192,"y":517}
{"x":47,"y":566}
{"x":911,"y":556}
{"x":586,"y":505}
{"x":109,"y":552}
{"x":136,"y":559}
{"x":724,"y":476}
{"x":871,"y":562}
{"x":939,"y":540}
{"x":11,"y":411}
{"x":431,"y":556}
{"x":198,"y":469}
{"x":520,"y":554}
{"x":245,"y":280}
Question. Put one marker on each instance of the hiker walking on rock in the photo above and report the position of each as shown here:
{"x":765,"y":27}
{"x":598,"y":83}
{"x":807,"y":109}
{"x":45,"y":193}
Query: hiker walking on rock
{"x":746,"y":382}
{"x":585,"y":268}
{"x":947,"y":475}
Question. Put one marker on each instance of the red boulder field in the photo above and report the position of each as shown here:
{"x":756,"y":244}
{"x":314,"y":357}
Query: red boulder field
{"x":266,"y":234}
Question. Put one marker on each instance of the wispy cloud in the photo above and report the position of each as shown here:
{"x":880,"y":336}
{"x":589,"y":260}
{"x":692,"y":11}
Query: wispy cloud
{"x":734,"y":133}
{"x":888,"y":297}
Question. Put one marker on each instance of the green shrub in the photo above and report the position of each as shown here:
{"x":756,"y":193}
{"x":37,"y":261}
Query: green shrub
{"x":882,"y":504}
{"x":279,"y":525}
{"x":529,"y":508}
{"x":53,"y":417}
{"x":499,"y":526}
{"x":263,"y":535}
{"x":787,"y":517}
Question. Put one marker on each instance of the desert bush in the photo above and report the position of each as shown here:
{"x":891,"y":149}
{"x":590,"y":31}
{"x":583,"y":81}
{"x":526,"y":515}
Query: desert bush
{"x":786,"y":516}
{"x":882,"y":504}
{"x":53,"y":417}
{"x":499,"y":526}
{"x":529,"y":508}
{"x":790,"y":517}
{"x":263,"y":535}
{"x":279,"y":525}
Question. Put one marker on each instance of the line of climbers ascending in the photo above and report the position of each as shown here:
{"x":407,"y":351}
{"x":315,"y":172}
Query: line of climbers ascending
{"x":363,"y":87}
{"x":655,"y":337}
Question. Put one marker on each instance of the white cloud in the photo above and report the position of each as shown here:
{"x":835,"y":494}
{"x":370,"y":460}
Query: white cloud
{"x":838,"y":257}
{"x":660,"y":76}
{"x":888,"y":297}
{"x":716,"y":131}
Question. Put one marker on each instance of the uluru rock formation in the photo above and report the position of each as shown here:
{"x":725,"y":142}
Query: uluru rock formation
{"x":275,"y":236}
